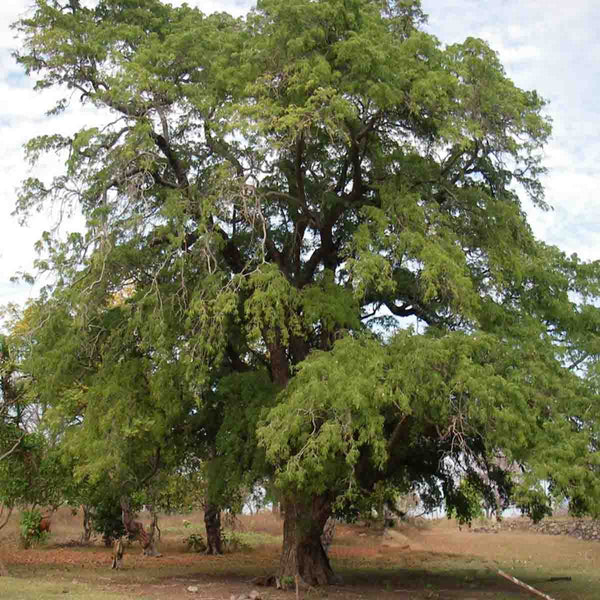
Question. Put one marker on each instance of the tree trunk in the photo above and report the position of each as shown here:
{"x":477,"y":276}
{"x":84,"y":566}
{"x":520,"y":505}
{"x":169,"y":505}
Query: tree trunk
{"x":5,"y":513}
{"x":302,"y":552}
{"x":87,"y":524}
{"x":212,"y":522}
{"x":117,"y":561}
{"x":136,"y":529}
{"x":327,"y":535}
{"x":154,"y":528}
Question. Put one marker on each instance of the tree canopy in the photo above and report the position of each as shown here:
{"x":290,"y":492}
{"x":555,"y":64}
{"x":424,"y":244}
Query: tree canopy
{"x":305,"y":255}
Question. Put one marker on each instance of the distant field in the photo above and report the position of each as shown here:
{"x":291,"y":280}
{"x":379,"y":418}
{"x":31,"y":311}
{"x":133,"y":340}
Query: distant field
{"x":431,"y":560}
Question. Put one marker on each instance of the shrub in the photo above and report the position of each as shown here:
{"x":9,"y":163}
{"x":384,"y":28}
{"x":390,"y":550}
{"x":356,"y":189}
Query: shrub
{"x":195,"y":542}
{"x":233,"y":542}
{"x":31,"y":534}
{"x":107,"y":520}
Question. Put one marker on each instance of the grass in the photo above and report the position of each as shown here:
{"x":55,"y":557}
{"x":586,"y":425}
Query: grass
{"x":417,"y":561}
{"x":19,"y":589}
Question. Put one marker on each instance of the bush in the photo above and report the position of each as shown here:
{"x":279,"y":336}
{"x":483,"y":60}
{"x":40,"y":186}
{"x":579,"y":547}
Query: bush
{"x":107,"y":520}
{"x":195,"y":542}
{"x":233,"y":542}
{"x":31,"y":534}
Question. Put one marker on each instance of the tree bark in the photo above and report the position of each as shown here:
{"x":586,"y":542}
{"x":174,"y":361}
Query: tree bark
{"x":136,"y":529}
{"x":117,"y":561}
{"x":302,"y":552}
{"x":328,"y":533}
{"x":154,"y":528}
{"x":5,"y":513}
{"x":3,"y":570}
{"x":280,"y":368}
{"x":212,"y":522}
{"x":87,"y":524}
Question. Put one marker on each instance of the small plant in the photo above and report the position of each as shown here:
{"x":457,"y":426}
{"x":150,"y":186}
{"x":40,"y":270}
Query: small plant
{"x":31,"y":532}
{"x":286,"y":582}
{"x":233,"y":542}
{"x":195,"y":542}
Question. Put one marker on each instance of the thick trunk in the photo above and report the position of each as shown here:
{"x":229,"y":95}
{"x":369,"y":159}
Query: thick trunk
{"x":327,"y":535}
{"x":303,"y":553}
{"x":278,"y":358}
{"x":212,"y":522}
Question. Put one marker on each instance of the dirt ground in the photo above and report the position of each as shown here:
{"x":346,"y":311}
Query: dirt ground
{"x":420,"y":560}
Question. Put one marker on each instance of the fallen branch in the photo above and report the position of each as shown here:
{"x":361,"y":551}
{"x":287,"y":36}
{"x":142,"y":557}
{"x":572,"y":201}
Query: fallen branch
{"x":560,"y":579}
{"x":530,"y":589}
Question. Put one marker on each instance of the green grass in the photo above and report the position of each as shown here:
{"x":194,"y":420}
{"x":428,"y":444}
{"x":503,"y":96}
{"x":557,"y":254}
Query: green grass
{"x":258,"y":538}
{"x":39,"y":589}
{"x":435,"y":561}
{"x":252,"y":539}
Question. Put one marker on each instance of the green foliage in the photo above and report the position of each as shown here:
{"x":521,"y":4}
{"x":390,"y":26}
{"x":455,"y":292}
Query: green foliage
{"x":536,"y":504}
{"x":181,"y":492}
{"x":272,"y":201}
{"x":233,"y":541}
{"x":29,"y":526}
{"x":195,"y":542}
{"x":287,"y":582}
{"x":107,"y":520}
{"x":466,"y":503}
{"x":33,"y":474}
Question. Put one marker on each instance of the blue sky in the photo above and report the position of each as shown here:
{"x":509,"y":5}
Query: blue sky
{"x":552,"y":46}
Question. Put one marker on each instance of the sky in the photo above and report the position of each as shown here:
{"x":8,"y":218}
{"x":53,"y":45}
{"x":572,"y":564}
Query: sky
{"x":551,"y":46}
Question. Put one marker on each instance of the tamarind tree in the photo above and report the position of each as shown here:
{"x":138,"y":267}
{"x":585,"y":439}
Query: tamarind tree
{"x":269,"y":201}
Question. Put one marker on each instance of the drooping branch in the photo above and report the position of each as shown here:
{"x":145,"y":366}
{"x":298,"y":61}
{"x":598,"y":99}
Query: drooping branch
{"x":13,"y":449}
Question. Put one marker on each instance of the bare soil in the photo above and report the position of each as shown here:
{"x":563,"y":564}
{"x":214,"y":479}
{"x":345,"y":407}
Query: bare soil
{"x":420,"y":560}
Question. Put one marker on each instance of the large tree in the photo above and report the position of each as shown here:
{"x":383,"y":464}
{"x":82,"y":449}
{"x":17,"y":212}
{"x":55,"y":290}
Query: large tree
{"x":275,"y":195}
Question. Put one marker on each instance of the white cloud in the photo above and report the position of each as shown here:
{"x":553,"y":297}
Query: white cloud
{"x":552,"y":47}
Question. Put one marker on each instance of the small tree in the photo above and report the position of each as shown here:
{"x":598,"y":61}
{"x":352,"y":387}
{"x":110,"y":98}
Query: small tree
{"x":107,"y":520}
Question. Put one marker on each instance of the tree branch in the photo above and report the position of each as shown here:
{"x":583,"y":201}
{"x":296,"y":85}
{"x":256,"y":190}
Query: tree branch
{"x":174,"y":161}
{"x":13,"y":449}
